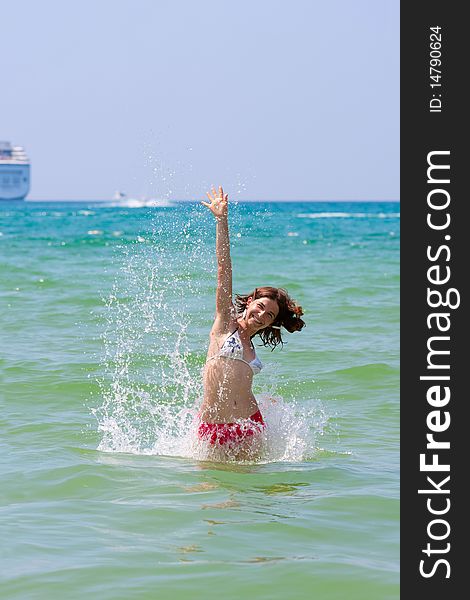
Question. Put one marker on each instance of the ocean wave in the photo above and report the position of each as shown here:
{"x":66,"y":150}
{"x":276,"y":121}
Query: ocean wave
{"x":346,"y":215}
{"x":370,"y":371}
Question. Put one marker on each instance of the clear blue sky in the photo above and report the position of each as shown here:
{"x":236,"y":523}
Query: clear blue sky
{"x":274,"y":99}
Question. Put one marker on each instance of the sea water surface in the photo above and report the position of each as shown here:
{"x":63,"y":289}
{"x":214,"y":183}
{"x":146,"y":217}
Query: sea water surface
{"x":105,"y":314}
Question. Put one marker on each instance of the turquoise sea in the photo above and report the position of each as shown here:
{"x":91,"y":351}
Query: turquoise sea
{"x":105,"y":313}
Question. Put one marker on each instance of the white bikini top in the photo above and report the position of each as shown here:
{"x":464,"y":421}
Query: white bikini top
{"x":233,"y":348}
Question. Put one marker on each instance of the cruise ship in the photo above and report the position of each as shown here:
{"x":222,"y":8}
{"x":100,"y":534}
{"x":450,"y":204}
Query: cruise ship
{"x":14,"y":172}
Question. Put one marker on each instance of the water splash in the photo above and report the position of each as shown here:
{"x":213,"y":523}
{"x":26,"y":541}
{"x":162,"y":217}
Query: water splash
{"x":156,"y":323}
{"x":150,"y":365}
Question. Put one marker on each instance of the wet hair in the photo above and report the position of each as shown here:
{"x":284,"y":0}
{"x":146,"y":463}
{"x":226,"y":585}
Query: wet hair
{"x":288,"y":316}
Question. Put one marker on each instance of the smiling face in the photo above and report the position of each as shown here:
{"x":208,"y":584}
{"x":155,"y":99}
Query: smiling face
{"x":261,"y":313}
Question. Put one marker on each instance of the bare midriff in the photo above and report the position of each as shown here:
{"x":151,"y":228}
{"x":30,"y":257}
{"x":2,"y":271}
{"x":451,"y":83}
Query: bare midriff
{"x":227,"y":391}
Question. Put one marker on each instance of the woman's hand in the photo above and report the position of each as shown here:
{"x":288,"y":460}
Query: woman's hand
{"x":218,"y":204}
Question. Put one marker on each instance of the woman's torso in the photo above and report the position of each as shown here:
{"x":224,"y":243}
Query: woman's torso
{"x":228,"y":376}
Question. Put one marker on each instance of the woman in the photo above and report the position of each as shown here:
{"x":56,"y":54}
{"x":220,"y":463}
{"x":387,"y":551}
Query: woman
{"x":230,"y":418}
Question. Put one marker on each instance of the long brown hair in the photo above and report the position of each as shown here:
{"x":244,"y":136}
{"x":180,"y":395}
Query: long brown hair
{"x":288,"y":316}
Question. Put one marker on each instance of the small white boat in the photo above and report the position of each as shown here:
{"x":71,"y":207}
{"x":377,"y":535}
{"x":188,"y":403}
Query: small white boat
{"x":121,"y":199}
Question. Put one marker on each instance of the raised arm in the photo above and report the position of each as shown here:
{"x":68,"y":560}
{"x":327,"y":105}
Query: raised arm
{"x":218,"y":205}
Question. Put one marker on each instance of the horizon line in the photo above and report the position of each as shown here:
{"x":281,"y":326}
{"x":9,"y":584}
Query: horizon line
{"x":195,"y":200}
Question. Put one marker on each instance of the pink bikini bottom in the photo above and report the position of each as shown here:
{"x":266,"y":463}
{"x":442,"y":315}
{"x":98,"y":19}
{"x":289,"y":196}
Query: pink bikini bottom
{"x":229,"y":433}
